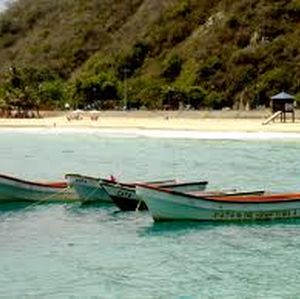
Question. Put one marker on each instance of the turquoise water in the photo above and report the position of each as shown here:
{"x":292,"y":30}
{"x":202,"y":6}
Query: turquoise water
{"x":63,"y":251}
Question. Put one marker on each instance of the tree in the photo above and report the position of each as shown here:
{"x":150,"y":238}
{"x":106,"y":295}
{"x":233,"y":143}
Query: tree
{"x":215,"y":100}
{"x":52,"y":94}
{"x":93,"y":90}
{"x":196,"y":96}
{"x":173,"y":98}
{"x":146,"y":92}
{"x":28,"y":87}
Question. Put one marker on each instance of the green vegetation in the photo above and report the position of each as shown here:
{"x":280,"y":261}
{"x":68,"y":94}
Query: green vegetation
{"x":152,"y":54}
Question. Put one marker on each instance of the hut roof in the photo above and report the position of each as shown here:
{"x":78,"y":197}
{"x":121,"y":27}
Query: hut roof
{"x":283,"y":96}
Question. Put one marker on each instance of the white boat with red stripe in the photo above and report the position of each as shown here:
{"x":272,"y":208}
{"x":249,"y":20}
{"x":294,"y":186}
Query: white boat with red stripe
{"x":166,"y":204}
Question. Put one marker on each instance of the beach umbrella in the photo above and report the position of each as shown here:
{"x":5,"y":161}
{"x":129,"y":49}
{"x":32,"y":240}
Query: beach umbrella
{"x":94,"y":114}
{"x":77,"y":111}
{"x":94,"y":111}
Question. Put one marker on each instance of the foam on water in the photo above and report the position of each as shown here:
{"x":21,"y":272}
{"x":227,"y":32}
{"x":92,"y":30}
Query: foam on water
{"x":159,"y":133}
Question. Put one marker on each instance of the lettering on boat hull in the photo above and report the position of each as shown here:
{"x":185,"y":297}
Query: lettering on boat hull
{"x":124,"y":194}
{"x":236,"y":215}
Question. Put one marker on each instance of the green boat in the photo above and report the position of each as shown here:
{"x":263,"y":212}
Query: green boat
{"x":18,"y":190}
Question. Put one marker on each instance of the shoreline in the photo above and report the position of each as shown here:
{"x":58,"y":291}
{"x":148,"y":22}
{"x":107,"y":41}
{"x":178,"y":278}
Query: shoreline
{"x":194,"y":121}
{"x":157,"y":133}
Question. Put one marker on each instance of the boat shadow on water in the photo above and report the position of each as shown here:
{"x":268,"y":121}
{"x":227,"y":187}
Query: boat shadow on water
{"x":15,"y":206}
{"x":91,"y":208}
{"x":161,"y":228}
{"x":167,"y":227}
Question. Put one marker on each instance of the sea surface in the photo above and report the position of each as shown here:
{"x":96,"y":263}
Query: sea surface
{"x":74,"y":251}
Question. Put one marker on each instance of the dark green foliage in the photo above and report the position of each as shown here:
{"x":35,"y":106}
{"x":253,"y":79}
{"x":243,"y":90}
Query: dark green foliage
{"x":31,"y":88}
{"x":9,"y":26}
{"x":196,"y":97}
{"x":145,"y":93}
{"x":52,"y":94}
{"x":217,"y":100}
{"x":174,"y":98}
{"x":172,"y":68}
{"x":93,"y":91}
{"x":233,"y":23}
{"x":130,"y":63}
{"x":209,"y":68}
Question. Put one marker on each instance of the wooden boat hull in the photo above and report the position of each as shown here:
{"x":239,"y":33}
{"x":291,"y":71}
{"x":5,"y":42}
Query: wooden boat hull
{"x":126,"y":198}
{"x":17,"y":190}
{"x":165,"y":205}
{"x":89,"y":189}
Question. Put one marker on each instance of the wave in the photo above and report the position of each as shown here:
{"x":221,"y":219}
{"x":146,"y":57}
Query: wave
{"x":157,"y":133}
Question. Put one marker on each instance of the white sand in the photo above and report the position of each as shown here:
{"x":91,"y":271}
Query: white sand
{"x":196,"y":122}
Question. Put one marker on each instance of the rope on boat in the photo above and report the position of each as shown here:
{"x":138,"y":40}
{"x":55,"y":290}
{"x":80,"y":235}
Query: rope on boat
{"x":86,"y":198}
{"x":47,"y":198}
{"x":56,"y":195}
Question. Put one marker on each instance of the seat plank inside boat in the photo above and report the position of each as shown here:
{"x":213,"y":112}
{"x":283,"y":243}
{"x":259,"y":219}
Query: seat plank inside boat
{"x":232,"y":193}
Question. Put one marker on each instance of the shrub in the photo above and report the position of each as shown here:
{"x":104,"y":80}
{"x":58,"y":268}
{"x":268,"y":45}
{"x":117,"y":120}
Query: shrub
{"x":209,"y":68}
{"x":130,"y":63}
{"x":173,"y":98}
{"x":216,"y":100}
{"x":147,"y":92}
{"x":196,"y":96}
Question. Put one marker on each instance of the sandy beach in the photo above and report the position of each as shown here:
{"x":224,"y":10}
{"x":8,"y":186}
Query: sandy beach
{"x":202,"y":121}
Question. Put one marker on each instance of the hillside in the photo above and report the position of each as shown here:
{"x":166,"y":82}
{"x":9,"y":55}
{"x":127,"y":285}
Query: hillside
{"x":151,"y":53}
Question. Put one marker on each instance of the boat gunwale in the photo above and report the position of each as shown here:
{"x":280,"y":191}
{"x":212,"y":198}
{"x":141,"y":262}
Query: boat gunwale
{"x":55,"y":185}
{"x":117,"y":185}
{"x":121,"y":184}
{"x":95,"y":179}
{"x":155,"y":183}
{"x":182,"y":184}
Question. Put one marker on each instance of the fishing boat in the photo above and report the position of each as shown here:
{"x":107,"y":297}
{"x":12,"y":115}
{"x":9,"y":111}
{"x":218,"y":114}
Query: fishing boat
{"x":125,"y":197}
{"x":89,"y":189}
{"x":92,"y":189}
{"x":166,"y":204}
{"x":17,"y":190}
